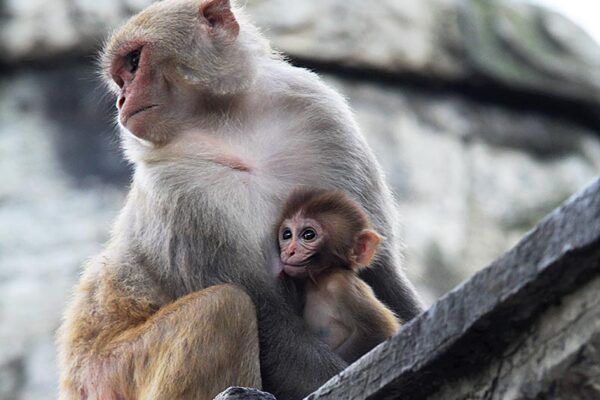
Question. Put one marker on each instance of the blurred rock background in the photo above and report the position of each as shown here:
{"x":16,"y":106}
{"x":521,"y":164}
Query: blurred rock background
{"x":483,"y":113}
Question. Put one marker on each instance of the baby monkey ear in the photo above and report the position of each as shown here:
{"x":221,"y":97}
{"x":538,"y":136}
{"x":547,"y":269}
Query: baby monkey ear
{"x":364,"y":248}
{"x":218,"y":15}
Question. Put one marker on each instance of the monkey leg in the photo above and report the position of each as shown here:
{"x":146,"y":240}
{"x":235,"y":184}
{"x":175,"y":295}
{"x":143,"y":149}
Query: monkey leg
{"x":193,"y":348}
{"x":205,"y":343}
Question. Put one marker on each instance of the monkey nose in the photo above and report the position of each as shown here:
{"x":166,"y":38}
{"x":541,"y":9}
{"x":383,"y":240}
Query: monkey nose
{"x":120,"y":102}
{"x":290,"y":250}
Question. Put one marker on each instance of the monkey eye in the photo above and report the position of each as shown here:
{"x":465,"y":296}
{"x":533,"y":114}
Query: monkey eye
{"x":309,"y":234}
{"x":286,"y":234}
{"x":133,"y":60}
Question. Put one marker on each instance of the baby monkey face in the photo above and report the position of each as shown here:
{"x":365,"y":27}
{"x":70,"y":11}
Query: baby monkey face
{"x":300,"y":240}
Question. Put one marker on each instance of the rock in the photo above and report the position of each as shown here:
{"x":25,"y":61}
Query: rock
{"x":477,"y":42}
{"x":451,"y":163}
{"x":240,"y":393}
{"x":530,"y":48}
{"x":32,"y":30}
{"x":400,"y":37}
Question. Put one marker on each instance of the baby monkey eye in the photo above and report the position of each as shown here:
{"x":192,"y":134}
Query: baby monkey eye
{"x":133,"y":60}
{"x":286,"y":234}
{"x":309,"y":234}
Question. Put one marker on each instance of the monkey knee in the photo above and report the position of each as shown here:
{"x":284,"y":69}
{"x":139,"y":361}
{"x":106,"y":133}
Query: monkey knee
{"x":234,"y":297}
{"x":233,"y":307}
{"x":234,"y":336}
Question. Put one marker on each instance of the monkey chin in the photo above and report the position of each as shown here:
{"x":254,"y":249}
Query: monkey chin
{"x":295,"y":271}
{"x":129,"y":135}
{"x":140,"y":128}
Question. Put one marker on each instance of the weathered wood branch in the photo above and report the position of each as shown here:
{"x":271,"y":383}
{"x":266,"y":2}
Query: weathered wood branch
{"x":526,"y":327}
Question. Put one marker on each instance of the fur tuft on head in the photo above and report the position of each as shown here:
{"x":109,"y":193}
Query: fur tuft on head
{"x":315,"y":201}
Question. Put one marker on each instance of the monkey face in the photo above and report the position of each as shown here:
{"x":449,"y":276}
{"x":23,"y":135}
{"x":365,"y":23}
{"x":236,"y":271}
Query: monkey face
{"x":173,"y":61}
{"x":300,"y":240}
{"x":154,"y":99}
{"x":142,"y":99}
{"x":321,"y":230}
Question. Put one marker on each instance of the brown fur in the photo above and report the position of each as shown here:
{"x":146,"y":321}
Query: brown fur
{"x":338,"y":213}
{"x":118,"y":347}
{"x":367,"y":320}
{"x":339,"y":307}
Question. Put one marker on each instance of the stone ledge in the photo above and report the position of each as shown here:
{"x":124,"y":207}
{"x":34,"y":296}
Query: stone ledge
{"x":557,"y":357}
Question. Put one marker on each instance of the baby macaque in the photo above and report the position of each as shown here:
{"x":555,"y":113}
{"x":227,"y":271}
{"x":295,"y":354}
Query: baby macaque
{"x":324,"y":239}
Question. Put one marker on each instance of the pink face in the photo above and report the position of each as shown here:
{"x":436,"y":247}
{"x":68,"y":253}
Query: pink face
{"x":147,"y":103}
{"x":300,"y":239}
{"x":132,"y":73}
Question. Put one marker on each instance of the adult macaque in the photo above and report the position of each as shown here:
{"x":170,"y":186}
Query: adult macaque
{"x":324,"y":240}
{"x":220,"y":129}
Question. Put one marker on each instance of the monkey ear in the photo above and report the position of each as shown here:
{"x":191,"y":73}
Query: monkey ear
{"x":365,"y":246}
{"x":218,"y":14}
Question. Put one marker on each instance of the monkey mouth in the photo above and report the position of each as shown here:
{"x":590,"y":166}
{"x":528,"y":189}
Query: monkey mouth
{"x":138,"y":111}
{"x":301,"y":264}
{"x":294,"y":265}
{"x":295,"y":271}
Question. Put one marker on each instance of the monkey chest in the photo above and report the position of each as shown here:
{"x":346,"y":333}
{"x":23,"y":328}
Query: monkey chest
{"x":322,"y":315}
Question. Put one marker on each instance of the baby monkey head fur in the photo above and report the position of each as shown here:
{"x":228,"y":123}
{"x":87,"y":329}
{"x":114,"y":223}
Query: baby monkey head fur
{"x":322,"y":229}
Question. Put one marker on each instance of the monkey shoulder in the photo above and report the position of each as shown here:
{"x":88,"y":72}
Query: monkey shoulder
{"x":357,"y":306}
{"x":305,"y":88}
{"x":340,"y":282}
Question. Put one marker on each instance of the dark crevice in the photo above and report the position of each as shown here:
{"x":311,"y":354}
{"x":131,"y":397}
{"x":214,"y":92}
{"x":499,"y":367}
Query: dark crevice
{"x":87,"y":140}
{"x":12,"y":376}
{"x":478,"y":88}
{"x":82,"y":113}
{"x":60,"y":60}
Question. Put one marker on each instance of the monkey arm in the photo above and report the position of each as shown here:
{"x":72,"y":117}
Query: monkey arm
{"x":293,"y":362}
{"x":369,"y":320}
{"x":119,"y":342}
{"x":390,"y":285}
